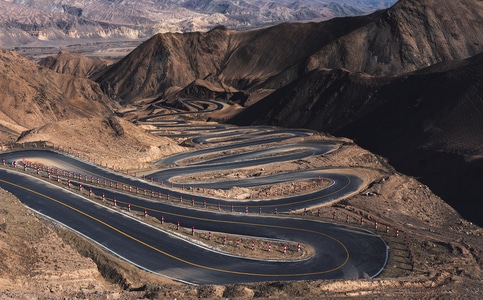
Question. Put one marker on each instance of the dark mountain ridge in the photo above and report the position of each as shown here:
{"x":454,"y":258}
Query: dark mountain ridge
{"x":406,"y":37}
{"x":427,"y":123}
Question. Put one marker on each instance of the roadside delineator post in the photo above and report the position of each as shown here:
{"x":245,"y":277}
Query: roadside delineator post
{"x":68,"y":182}
{"x":145,"y":212}
{"x":177,"y":226}
{"x":209,"y":235}
{"x":284,"y":248}
{"x":129,"y":207}
{"x":219,"y":207}
{"x":180,"y":198}
{"x":318,"y":212}
{"x":162,"y":219}
{"x":193,"y":230}
{"x":387,"y":228}
{"x":103,"y":197}
{"x":90,"y":192}
{"x":238,"y":242}
{"x":298,"y":247}
{"x":192,"y":201}
{"x":259,"y":209}
{"x":224,"y":240}
{"x":80,"y":187}
{"x":204,"y":203}
{"x":276,"y":210}
{"x":333,"y":214}
{"x":269,"y":247}
{"x":375,"y":224}
{"x":253,"y":245}
{"x":362,"y":221}
{"x":232,"y":208}
{"x":246,"y":208}
{"x":397,"y":232}
{"x":115,"y":201}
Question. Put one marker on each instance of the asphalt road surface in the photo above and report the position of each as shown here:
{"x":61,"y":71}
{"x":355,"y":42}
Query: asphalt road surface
{"x":341,"y":252}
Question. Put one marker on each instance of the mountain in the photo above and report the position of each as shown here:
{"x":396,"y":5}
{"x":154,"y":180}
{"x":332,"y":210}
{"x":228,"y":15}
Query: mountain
{"x":428,"y":124}
{"x":33,"y":95}
{"x":364,"y":77}
{"x":406,"y":37}
{"x":74,"y":64}
{"x":64,"y":22}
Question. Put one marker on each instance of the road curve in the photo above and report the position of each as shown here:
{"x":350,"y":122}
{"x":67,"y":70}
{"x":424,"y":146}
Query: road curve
{"x":341,"y":252}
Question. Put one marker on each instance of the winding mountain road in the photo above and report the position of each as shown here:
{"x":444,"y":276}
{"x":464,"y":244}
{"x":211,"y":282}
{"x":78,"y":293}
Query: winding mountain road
{"x":339,"y":251}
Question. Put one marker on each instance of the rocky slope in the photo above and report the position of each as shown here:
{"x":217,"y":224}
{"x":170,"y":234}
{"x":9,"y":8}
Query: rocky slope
{"x":428,"y":124}
{"x":406,"y":37}
{"x":77,"y":65}
{"x":33,"y":95}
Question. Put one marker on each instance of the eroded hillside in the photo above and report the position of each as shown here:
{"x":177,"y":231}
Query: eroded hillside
{"x":406,"y":37}
{"x":34,"y":96}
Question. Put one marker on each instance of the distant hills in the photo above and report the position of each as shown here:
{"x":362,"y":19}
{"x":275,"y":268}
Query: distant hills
{"x":59,"y":23}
